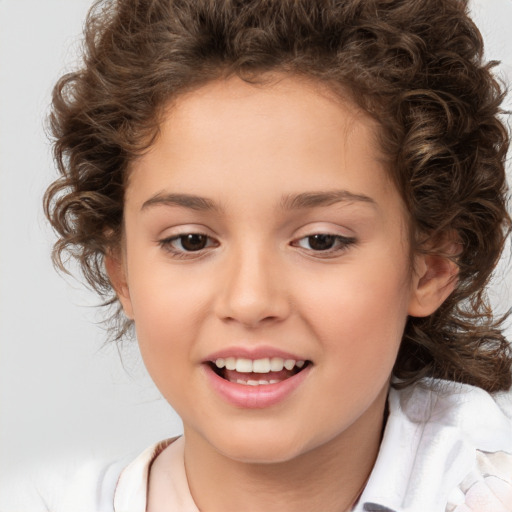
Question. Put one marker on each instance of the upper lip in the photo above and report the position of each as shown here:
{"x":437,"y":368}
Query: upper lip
{"x":253,"y":353}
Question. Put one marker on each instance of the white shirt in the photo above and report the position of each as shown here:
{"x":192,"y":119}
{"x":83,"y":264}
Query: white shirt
{"x":446,"y":447}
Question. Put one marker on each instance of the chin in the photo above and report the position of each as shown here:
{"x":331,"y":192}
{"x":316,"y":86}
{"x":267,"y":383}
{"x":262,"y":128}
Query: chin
{"x":274,"y":448}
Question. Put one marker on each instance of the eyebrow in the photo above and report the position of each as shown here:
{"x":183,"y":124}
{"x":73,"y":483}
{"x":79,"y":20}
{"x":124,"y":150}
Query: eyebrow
{"x":185,"y":200}
{"x":315,"y":199}
{"x":304,"y":200}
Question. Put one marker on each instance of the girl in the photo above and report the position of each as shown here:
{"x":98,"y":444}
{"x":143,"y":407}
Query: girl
{"x":297,"y":206}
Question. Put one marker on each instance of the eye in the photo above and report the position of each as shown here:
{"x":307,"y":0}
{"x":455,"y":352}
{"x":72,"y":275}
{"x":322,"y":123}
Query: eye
{"x":324,"y":242}
{"x":191,"y":242}
{"x":187,"y":243}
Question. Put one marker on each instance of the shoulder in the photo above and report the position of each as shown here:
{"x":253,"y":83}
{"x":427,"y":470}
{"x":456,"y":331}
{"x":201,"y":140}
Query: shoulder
{"x":480,"y":418}
{"x":446,"y":447}
{"x":466,"y":437}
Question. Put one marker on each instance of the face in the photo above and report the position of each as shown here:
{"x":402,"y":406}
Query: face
{"x":266,"y":266}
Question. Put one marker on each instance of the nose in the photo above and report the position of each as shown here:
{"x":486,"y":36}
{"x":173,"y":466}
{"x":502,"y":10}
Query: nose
{"x":252,"y":292}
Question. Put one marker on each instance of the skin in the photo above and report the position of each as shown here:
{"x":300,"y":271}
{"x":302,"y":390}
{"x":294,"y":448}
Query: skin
{"x":259,"y":283}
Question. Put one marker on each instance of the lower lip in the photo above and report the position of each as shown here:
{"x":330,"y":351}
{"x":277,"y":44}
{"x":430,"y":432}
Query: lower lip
{"x":255,"y":397}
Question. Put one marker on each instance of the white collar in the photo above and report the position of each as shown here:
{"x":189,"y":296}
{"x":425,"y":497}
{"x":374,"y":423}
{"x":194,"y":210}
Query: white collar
{"x":131,"y":490}
{"x":430,"y":444}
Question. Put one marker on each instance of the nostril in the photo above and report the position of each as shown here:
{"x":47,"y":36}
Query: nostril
{"x":251,"y":321}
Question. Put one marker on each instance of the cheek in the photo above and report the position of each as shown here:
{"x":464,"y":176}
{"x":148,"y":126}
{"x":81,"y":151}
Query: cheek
{"x":161,"y":292}
{"x":361,"y":313}
{"x":168,"y":311}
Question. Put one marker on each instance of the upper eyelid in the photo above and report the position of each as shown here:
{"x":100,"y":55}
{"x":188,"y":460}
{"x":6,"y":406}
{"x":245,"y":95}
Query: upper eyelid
{"x":184,"y":233}
{"x":175,"y":232}
{"x":326,"y":226}
{"x":324,"y":232}
{"x":174,"y":236}
{"x":339,"y":232}
{"x":171,"y":238}
{"x":349,"y":239}
{"x":187,"y":229}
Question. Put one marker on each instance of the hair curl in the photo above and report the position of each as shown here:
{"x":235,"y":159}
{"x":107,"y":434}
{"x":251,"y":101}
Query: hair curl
{"x":416,"y":66}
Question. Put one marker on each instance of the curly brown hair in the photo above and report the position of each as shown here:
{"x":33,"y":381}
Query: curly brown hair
{"x":416,"y":66}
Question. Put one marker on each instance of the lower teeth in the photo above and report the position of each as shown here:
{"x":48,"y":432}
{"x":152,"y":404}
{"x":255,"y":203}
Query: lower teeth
{"x":256,"y":382}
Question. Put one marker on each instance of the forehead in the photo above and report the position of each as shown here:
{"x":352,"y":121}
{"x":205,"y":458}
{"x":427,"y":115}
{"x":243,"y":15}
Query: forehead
{"x":280,"y":138}
{"x":300,"y":106}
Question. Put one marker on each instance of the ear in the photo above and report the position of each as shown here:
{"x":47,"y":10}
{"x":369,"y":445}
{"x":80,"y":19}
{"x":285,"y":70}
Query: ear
{"x":117,"y":274}
{"x":435,"y":279}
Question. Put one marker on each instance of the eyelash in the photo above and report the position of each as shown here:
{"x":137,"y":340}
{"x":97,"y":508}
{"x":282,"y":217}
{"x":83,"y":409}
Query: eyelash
{"x":341,"y":244}
{"x":167,"y":245}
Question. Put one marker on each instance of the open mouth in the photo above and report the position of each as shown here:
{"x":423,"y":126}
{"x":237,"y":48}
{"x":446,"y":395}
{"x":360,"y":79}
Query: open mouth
{"x":257,"y":372}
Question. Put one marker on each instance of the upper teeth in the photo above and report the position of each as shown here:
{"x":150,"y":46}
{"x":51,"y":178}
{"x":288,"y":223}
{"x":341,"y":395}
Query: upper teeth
{"x":265,"y":365}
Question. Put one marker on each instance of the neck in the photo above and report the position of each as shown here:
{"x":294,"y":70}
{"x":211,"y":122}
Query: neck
{"x":330,"y":477}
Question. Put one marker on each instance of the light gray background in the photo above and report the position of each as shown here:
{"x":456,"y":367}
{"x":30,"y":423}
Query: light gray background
{"x":61,"y":395}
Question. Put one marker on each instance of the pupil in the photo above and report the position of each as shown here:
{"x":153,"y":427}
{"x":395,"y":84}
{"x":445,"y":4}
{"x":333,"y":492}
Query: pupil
{"x":193,"y":242}
{"x":321,"y":242}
